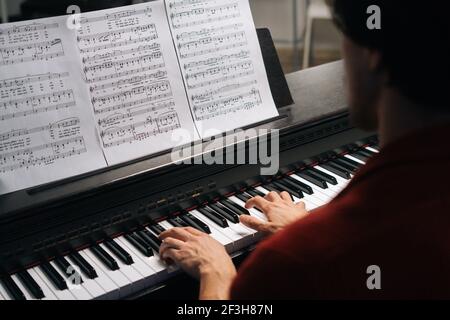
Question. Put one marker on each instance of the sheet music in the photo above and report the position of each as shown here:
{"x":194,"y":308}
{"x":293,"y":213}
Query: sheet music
{"x":44,"y":133}
{"x":135,"y":85}
{"x":221,"y":63}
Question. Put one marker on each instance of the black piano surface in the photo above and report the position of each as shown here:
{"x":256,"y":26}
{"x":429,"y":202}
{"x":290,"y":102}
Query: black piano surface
{"x":39,"y":224}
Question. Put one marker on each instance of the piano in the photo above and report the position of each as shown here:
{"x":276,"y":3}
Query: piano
{"x":96,"y":236}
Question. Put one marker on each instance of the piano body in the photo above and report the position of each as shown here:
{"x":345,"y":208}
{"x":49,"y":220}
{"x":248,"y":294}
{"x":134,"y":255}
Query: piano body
{"x":95,"y":237}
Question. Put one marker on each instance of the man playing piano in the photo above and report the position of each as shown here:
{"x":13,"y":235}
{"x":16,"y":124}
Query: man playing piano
{"x":386,"y":235}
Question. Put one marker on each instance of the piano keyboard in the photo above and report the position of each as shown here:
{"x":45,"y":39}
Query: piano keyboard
{"x":128,"y":263}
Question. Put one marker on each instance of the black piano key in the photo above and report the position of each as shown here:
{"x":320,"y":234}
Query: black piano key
{"x":243,"y":196}
{"x":336,"y":170}
{"x":12,"y":288}
{"x":302,"y":186}
{"x":234,"y":207}
{"x":360,"y":156}
{"x":284,"y":187}
{"x":343,"y":165}
{"x":156,"y":228}
{"x":84,"y":266}
{"x":177,"y":222}
{"x":313,"y":179}
{"x":328,"y":178}
{"x":195,"y":223}
{"x":224,"y":212}
{"x":68,"y":270}
{"x":54,"y":276}
{"x":120,"y":252}
{"x":272,"y":188}
{"x":371,"y":153}
{"x":153,"y":240}
{"x":366,"y":153}
{"x":376,"y":147}
{"x":31,"y":284}
{"x":255,"y":192}
{"x":215,"y":217}
{"x":139,"y":244}
{"x":104,"y":257}
{"x":350,"y":162}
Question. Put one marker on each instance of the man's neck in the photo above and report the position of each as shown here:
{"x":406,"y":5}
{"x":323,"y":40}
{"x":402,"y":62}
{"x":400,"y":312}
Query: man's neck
{"x":399,"y":117}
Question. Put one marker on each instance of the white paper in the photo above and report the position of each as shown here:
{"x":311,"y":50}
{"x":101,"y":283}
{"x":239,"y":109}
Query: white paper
{"x":45,"y":133}
{"x":136,"y":89}
{"x":221,"y":63}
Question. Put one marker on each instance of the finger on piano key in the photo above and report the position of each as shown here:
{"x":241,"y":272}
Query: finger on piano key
{"x":11,"y":288}
{"x":309,"y":205}
{"x":61,"y":294}
{"x":242,"y":231}
{"x":117,"y":277}
{"x":252,"y":211}
{"x":48,"y":293}
{"x":111,"y":289}
{"x":90,"y":285}
{"x":77,"y":289}
{"x":30,"y":284}
{"x":215,"y":232}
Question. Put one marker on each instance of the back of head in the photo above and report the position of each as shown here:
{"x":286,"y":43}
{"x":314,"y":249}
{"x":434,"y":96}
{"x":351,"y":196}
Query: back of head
{"x":414,"y":42}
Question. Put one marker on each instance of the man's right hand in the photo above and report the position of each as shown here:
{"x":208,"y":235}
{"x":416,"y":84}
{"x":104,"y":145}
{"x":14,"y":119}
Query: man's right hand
{"x":279,"y":209}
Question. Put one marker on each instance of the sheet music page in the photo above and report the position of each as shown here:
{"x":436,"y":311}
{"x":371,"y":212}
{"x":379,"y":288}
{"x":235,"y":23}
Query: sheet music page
{"x":45,"y":135}
{"x":135,"y":85}
{"x":221,"y":62}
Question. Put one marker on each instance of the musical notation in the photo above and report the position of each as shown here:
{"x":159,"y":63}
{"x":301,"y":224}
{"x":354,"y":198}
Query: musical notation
{"x":30,"y":42}
{"x":34,"y":94}
{"x":25,"y":147}
{"x":224,"y":106}
{"x":220,"y":57}
{"x":125,"y":68}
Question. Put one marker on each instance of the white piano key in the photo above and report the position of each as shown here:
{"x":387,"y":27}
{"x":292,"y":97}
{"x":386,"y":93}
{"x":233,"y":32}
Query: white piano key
{"x":372,"y":149}
{"x":78,"y":291}
{"x":354,"y":159}
{"x":48,"y":293}
{"x":60,"y":294}
{"x":253,"y":212}
{"x":4,"y":295}
{"x":28,"y":295}
{"x":166,"y":225}
{"x":90,"y":285}
{"x":128,"y":270}
{"x":111,"y":282}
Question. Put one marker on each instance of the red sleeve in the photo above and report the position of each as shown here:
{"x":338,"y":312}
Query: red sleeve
{"x":270,"y":274}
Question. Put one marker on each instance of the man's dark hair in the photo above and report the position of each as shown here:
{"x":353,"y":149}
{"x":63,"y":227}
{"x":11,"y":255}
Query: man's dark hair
{"x":414,"y":41}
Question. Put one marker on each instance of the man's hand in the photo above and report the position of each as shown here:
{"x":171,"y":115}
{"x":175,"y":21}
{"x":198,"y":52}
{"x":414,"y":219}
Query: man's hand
{"x":202,"y":257}
{"x":279,"y":209}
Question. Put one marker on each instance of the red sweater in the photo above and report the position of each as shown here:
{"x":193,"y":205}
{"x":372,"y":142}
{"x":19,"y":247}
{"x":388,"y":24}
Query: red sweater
{"x":394,"y":214}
